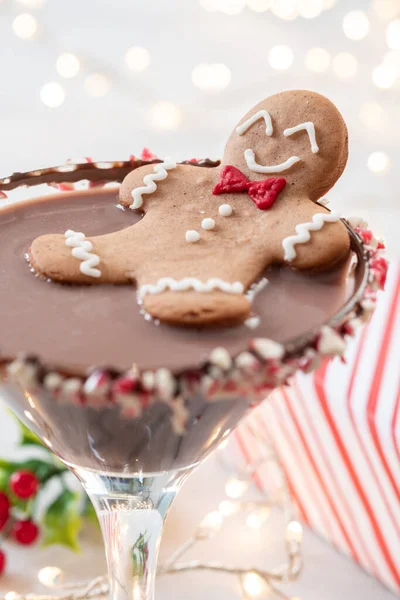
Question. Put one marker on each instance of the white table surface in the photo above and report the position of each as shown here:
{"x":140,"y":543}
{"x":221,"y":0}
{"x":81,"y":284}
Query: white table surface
{"x":327,"y":575}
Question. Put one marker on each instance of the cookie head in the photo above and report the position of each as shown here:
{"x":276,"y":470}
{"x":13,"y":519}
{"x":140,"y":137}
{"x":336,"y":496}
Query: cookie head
{"x":299,"y":135}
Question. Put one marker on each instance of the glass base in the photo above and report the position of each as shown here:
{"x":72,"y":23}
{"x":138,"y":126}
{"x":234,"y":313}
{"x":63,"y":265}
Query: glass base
{"x":131,"y":511}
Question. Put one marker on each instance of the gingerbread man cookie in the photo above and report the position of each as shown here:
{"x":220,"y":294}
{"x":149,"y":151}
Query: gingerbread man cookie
{"x":207,"y":234}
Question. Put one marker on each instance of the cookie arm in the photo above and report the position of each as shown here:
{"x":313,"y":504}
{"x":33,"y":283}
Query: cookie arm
{"x":74,"y":258}
{"x":315,"y":240}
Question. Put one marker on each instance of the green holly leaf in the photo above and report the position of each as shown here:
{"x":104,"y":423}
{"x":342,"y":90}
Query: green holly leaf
{"x":28,"y":438}
{"x":62,"y":521}
{"x":43,"y":469}
{"x":88,"y":511}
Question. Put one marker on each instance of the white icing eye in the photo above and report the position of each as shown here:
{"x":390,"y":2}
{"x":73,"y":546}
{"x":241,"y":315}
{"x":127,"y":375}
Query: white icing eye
{"x":310,"y":128}
{"x":192,"y":236}
{"x":261,"y":114}
{"x":208,"y":224}
{"x":225,"y":210}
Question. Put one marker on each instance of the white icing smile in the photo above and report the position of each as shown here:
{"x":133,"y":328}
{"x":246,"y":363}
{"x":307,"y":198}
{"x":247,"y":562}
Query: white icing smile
{"x":257,"y":168}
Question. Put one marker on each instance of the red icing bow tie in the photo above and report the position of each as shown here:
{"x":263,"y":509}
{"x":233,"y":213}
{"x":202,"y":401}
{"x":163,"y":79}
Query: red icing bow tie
{"x":263,"y":193}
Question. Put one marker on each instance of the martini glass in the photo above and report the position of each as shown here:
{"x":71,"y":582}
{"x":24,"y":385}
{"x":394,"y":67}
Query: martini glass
{"x":132,"y":463}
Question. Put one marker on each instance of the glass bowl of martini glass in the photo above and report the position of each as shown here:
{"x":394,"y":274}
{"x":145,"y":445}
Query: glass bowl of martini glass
{"x":132,"y":406}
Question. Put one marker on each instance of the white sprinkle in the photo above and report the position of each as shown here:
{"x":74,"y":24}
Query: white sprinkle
{"x":165,"y":383}
{"x":220,"y":357}
{"x":268,"y":348}
{"x":208,"y":224}
{"x":330,"y":342}
{"x":252,"y":322}
{"x":52,"y":381}
{"x":225,"y":210}
{"x":148,"y":380}
{"x":192,"y":236}
{"x":72,"y":386}
{"x":357,"y":222}
{"x":246,"y":360}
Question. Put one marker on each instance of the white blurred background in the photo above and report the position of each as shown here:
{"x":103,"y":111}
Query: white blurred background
{"x":103,"y":79}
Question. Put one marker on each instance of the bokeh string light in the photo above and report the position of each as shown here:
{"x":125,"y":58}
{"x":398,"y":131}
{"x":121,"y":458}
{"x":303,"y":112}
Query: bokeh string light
{"x":137,"y":58}
{"x":280,"y":57}
{"x":25,"y":26}
{"x":379,"y":163}
{"x":393,"y":35}
{"x":68,"y":65}
{"x":344,"y":65}
{"x":52,"y":94}
{"x":317,"y":60}
{"x":356,"y":25}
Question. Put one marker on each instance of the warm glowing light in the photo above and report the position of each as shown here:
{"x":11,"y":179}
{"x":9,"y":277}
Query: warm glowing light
{"x":32,"y":3}
{"x":210,"y":525}
{"x":25,"y":26}
{"x":51,"y":576}
{"x":384,"y":76}
{"x":318,"y":60}
{"x":372,"y":115}
{"x":393,"y":35}
{"x":228,"y":508}
{"x":211,"y":78}
{"x":379,"y":163}
{"x":68,"y":65}
{"x":284,"y":9}
{"x":254,"y":585}
{"x":12,"y":596}
{"x":259,"y":5}
{"x":344,"y":65}
{"x":97,"y":85}
{"x":356,"y":25}
{"x":165,"y":116}
{"x":309,"y":9}
{"x":257,"y":518}
{"x":386,"y":9}
{"x":328,"y":4}
{"x":236,"y":488}
{"x":137,"y":58}
{"x":280,"y":57}
{"x":392,"y":58}
{"x":294,"y":532}
{"x":52,"y":95}
{"x":229,"y":7}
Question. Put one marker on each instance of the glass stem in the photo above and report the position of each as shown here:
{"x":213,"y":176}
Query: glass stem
{"x":131,"y":512}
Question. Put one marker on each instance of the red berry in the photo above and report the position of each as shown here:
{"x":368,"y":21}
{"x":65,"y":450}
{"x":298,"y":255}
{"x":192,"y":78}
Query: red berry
{"x":2,"y":562}
{"x":24,"y":484}
{"x":25,"y":532}
{"x":4,"y":509}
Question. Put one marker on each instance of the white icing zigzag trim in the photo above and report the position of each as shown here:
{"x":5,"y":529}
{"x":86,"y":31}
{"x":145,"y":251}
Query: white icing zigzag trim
{"x":191,"y":283}
{"x":160,"y":173}
{"x":261,"y":114}
{"x":81,"y":249}
{"x":310,"y":128}
{"x":303,"y":232}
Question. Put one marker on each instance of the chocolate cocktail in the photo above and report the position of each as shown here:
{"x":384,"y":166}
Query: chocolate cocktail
{"x":140,"y":322}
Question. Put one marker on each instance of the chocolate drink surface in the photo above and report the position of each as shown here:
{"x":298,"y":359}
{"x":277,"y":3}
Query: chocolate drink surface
{"x":78,"y":326}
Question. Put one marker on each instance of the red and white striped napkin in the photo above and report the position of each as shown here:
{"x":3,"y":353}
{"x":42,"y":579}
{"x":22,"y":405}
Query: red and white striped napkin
{"x":337,"y":434}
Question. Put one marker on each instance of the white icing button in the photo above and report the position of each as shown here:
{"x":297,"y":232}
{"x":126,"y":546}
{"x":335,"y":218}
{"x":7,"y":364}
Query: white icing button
{"x":192,"y":236}
{"x":208,"y":224}
{"x":225,"y":210}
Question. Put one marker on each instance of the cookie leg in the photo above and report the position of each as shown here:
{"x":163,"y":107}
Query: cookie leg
{"x":193,"y":308}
